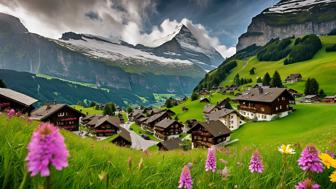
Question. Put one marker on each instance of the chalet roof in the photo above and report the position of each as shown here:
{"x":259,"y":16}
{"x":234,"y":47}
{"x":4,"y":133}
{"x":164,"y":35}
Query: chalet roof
{"x":329,"y":97}
{"x":261,"y":95}
{"x":208,"y":108}
{"x":125,"y":135}
{"x":204,"y":99}
{"x":165,"y":123}
{"x":309,"y":96}
{"x":294,"y":76}
{"x":45,"y":111}
{"x":216,"y":115}
{"x":98,"y":120}
{"x":215,"y":128}
{"x":18,"y":97}
{"x":143,"y":119}
{"x":171,"y":144}
{"x":155,"y":117}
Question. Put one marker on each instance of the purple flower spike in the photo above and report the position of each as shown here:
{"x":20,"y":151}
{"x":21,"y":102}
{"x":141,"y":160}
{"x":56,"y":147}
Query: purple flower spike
{"x":309,"y":160}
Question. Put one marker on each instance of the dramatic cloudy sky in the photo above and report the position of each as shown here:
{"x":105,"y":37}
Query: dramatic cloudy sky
{"x":216,"y":23}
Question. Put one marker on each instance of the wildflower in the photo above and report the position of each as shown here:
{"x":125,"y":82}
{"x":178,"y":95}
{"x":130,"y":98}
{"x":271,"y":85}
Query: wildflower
{"x":102,"y":175}
{"x":256,"y":165}
{"x":286,"y":149}
{"x":46,"y":148}
{"x":141,"y":164}
{"x":327,"y":160}
{"x":307,"y":184}
{"x":224,"y":172}
{"x":11,"y":113}
{"x":331,"y":154}
{"x":309,"y":160}
{"x":185,"y":178}
{"x":210,"y":163}
{"x":333,"y":177}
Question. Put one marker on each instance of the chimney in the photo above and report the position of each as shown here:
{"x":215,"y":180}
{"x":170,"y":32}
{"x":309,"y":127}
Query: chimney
{"x":261,"y":90}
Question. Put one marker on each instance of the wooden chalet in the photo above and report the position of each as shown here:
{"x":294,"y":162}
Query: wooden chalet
{"x":310,"y":99}
{"x":10,"y":99}
{"x":135,"y":113}
{"x":209,"y":108}
{"x":167,"y":128}
{"x":209,"y":133}
{"x":294,"y":93}
{"x":121,"y":118}
{"x":230,"y":118}
{"x":86,"y":119}
{"x":292,"y":78}
{"x":223,"y":104}
{"x":329,"y":99}
{"x":151,"y":121}
{"x":265,"y":104}
{"x":191,"y":122}
{"x":61,"y":115}
{"x":170,"y":144}
{"x":204,"y":100}
{"x":104,"y":125}
{"x":123,"y":139}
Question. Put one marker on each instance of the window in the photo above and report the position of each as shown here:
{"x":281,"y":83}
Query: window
{"x":283,"y":98}
{"x":60,"y":114}
{"x":262,"y":109}
{"x":276,"y":108}
{"x":280,"y":107}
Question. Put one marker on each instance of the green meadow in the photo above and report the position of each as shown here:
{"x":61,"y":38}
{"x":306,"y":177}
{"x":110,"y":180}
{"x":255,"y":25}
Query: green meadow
{"x":89,"y":159}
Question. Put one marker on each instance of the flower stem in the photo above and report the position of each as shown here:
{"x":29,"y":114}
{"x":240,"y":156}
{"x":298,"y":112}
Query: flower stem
{"x":23,"y":183}
{"x":48,"y":182}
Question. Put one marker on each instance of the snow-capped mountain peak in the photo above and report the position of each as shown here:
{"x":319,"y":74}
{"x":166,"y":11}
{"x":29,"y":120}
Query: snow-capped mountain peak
{"x":292,"y":6}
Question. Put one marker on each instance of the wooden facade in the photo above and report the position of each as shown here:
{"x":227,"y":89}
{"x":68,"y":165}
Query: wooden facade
{"x":154,"y":119}
{"x":10,"y":99}
{"x":104,"y":125}
{"x":170,"y":144}
{"x":61,"y":115}
{"x":207,"y":134}
{"x":123,"y":139}
{"x":329,"y":99}
{"x":167,"y":127}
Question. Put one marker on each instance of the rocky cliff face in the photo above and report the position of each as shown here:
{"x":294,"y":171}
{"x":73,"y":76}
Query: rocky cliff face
{"x":289,"y":18}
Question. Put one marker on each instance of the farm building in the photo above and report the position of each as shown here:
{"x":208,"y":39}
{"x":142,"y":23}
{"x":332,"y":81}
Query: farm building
{"x":230,"y":118}
{"x":292,"y":78}
{"x":210,"y":133}
{"x":123,"y":139}
{"x":104,"y":125}
{"x":310,"y":99}
{"x":10,"y":99}
{"x":167,"y":128}
{"x":329,"y":99}
{"x":151,"y":121}
{"x":61,"y":115}
{"x":204,"y":100}
{"x":265,"y":104}
{"x":170,"y":144}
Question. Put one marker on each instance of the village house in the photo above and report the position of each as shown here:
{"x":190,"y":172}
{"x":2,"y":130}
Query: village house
{"x":231,"y":89}
{"x":123,"y":139}
{"x":310,"y":99}
{"x":167,"y":128}
{"x":292,"y":78}
{"x":170,"y":144}
{"x":151,"y":121}
{"x":10,"y":99}
{"x":209,"y":133}
{"x":230,"y":118}
{"x":121,"y":118}
{"x":204,"y":100}
{"x":104,"y":125}
{"x":208,"y":109}
{"x":265,"y":104}
{"x":135,"y":113}
{"x":329,"y":99}
{"x":294,"y":93}
{"x":223,"y":104}
{"x":86,"y":119}
{"x":61,"y":115}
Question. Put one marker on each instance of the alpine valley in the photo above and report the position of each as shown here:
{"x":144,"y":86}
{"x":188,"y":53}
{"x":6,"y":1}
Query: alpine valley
{"x":138,"y":74}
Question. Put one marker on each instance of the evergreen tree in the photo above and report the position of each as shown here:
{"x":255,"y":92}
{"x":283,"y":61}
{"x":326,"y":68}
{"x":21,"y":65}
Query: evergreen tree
{"x":129,"y":110}
{"x":322,"y":93}
{"x":194,"y":96}
{"x":276,"y":80}
{"x":259,"y":80}
{"x":266,"y":80}
{"x":307,"y":87}
{"x":311,"y":87}
{"x":109,"y":109}
{"x":169,"y":103}
{"x":252,"y":71}
{"x":237,"y":80}
{"x":2,"y":84}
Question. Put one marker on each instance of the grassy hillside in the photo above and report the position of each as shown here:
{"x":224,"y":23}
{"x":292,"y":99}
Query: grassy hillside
{"x":89,"y":158}
{"x":322,"y":67}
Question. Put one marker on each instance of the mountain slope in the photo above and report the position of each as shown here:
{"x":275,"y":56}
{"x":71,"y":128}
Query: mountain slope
{"x":288,"y":18}
{"x":321,"y":67}
{"x":102,"y":62}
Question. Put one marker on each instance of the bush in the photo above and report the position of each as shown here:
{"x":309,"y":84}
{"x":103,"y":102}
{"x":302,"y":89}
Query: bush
{"x":304,"y":49}
{"x":331,"y":48}
{"x":275,"y":50}
{"x":333,"y":32}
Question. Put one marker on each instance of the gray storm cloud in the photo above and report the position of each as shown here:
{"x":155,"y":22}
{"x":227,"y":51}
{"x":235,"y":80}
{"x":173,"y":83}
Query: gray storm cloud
{"x":123,"y":19}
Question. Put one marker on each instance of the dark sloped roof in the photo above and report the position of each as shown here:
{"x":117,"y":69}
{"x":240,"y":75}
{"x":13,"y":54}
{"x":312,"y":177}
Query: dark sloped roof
{"x":155,"y":117}
{"x":208,"y":108}
{"x":18,"y":97}
{"x":261,"y":95}
{"x":216,"y":115}
{"x":171,"y":144}
{"x":45,"y":111}
{"x":125,"y":135}
{"x":215,"y":128}
{"x":98,"y":120}
{"x":165,"y":123}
